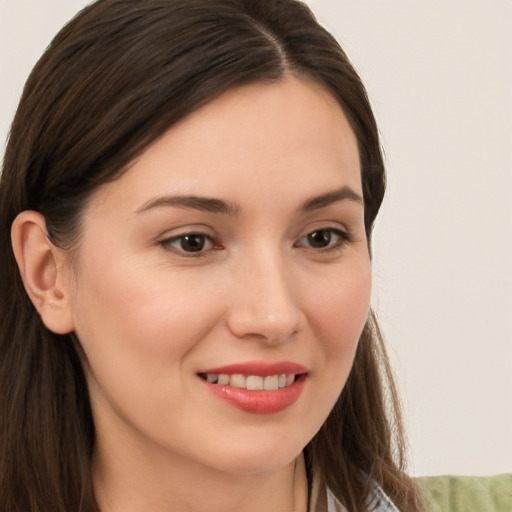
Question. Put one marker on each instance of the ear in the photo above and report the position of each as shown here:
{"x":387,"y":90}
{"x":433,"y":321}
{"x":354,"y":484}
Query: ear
{"x":42,"y":267}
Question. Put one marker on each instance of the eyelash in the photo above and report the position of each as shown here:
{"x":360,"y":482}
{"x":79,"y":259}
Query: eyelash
{"x":179,"y":239}
{"x":344,"y":238}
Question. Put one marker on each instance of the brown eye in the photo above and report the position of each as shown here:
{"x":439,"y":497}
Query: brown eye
{"x":325,"y":239}
{"x":189,"y":244}
{"x":320,"y":239}
{"x":192,"y":243}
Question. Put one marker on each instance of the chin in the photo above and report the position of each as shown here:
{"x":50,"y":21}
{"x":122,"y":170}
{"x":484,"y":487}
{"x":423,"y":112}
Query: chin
{"x":257,"y":458}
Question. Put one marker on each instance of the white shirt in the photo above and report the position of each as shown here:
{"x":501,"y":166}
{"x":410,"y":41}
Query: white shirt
{"x":379,"y":502}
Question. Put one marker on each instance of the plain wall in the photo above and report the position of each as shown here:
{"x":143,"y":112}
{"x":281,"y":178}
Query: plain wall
{"x":439,"y":75}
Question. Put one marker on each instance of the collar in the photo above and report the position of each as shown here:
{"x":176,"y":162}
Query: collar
{"x":323,"y":500}
{"x":378,"y":502}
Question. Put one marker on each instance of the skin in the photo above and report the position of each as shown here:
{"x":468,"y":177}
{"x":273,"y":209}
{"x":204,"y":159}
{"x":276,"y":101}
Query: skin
{"x":150,"y":315}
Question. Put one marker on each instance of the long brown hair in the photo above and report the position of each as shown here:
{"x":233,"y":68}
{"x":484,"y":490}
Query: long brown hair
{"x":113,"y":80}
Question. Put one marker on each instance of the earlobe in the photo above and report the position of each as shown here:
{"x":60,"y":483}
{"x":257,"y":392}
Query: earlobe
{"x":40,"y":263}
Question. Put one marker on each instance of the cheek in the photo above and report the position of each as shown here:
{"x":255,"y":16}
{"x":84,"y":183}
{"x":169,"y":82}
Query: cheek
{"x":342,"y":308}
{"x":116,"y":299}
{"x":136,"y":326}
{"x":338,"y":314}
{"x":137,"y":329}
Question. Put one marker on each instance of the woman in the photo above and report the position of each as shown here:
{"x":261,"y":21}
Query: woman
{"x":190,"y":187}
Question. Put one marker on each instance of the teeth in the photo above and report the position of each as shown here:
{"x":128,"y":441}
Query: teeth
{"x":223,"y":379}
{"x":237,"y":381}
{"x":252,"y":382}
{"x":271,"y":383}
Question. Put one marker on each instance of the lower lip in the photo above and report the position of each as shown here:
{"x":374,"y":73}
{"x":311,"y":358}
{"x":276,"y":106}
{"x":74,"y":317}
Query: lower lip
{"x":260,"y":402}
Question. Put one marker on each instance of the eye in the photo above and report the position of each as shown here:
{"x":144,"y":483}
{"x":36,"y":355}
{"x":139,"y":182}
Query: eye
{"x":325,"y":239}
{"x":193,"y":244}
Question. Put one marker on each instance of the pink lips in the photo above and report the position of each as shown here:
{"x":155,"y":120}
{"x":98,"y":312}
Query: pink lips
{"x":261,"y":401}
{"x":259,"y":368}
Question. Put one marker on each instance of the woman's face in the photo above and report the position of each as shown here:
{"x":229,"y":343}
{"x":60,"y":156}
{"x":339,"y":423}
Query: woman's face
{"x":234,"y":245}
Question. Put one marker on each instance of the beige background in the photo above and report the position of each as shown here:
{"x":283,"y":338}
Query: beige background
{"x":439,"y":74}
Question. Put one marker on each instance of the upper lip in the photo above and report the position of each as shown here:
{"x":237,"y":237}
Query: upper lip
{"x":258,"y":368}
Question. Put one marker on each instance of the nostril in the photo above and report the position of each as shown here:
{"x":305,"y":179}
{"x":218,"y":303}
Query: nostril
{"x":268,"y":328}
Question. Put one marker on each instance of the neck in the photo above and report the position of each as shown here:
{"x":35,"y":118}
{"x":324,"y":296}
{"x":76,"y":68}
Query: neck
{"x":167,"y":485}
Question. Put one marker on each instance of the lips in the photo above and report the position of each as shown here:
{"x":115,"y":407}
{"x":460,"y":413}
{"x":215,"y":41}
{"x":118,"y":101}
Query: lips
{"x":257,"y":387}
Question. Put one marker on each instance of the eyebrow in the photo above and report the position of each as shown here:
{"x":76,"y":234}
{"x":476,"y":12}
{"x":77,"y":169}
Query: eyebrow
{"x":324,"y":200}
{"x":220,"y":206}
{"x":204,"y":204}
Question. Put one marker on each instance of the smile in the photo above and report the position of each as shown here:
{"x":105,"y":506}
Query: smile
{"x":251,"y":382}
{"x":256,"y":387}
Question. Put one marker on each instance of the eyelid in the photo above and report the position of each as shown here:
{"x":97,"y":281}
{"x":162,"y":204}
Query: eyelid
{"x":345,"y":237}
{"x":170,"y":242}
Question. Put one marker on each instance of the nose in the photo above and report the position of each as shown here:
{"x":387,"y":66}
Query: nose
{"x":264,"y":303}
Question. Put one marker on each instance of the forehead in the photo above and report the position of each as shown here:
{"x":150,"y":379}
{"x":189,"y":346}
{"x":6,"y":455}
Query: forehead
{"x":290,"y":135}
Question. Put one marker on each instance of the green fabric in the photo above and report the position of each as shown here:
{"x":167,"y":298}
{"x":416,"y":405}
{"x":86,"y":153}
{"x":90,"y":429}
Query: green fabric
{"x":467,"y":493}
